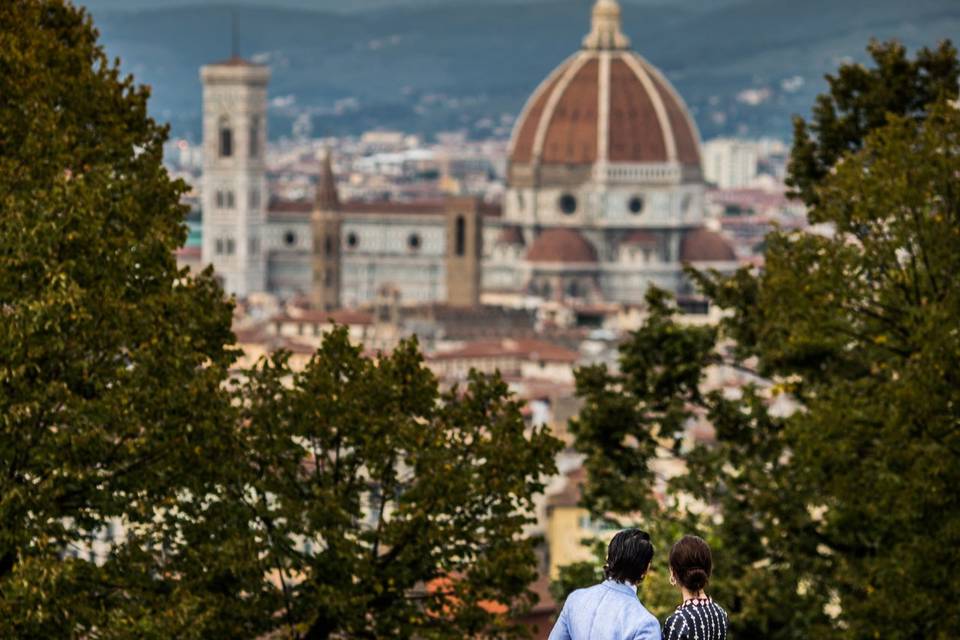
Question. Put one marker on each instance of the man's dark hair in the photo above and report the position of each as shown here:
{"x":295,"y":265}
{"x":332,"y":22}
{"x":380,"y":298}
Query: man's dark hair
{"x":628,"y":556}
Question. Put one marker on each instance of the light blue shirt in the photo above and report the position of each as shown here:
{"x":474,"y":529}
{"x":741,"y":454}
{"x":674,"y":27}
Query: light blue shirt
{"x":607,"y":611}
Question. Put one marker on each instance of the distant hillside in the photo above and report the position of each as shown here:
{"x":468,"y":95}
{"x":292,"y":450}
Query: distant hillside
{"x":743,"y":68}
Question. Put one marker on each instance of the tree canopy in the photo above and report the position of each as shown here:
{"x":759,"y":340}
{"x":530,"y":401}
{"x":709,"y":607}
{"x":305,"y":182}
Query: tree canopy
{"x":834,"y":514}
{"x":111,"y":360}
{"x":860,"y":99}
{"x":351,"y":499}
{"x":384,"y":507}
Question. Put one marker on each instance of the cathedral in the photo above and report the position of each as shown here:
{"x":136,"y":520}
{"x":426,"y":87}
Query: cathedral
{"x":605,"y":197}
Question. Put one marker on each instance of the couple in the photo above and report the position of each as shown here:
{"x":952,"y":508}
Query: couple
{"x":612,"y":611}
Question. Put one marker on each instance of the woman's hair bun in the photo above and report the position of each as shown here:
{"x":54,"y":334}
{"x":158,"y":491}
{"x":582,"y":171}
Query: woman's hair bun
{"x":695,"y":579}
{"x":692,"y":562}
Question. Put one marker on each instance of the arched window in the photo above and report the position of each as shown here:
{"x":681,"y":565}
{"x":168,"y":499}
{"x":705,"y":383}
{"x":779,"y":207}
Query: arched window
{"x":220,"y":200}
{"x":461,"y":236}
{"x":254,"y":136}
{"x":230,"y":201}
{"x":226,"y":138}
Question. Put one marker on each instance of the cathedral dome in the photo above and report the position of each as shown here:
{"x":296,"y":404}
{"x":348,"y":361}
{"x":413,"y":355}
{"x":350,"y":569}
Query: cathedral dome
{"x":703,"y":245}
{"x":605,"y":104}
{"x":561,"y":245}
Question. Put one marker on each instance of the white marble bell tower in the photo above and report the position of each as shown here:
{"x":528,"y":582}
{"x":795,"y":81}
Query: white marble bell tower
{"x":234,"y":173}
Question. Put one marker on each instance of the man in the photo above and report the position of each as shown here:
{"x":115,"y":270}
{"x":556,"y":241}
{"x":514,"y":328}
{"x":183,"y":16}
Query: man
{"x":611,"y":609}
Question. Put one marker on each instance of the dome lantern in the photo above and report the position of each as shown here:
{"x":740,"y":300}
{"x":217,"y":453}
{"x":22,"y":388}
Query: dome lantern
{"x":605,"y":33}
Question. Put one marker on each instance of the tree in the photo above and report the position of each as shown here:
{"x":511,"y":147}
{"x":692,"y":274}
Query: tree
{"x":376,"y":505}
{"x":633,"y":416}
{"x":863,"y":325}
{"x":838,"y":518}
{"x":859,"y":101}
{"x":111,"y":360}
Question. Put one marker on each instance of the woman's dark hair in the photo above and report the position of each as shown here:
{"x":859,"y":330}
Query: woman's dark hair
{"x":691,"y":562}
{"x":628,"y":556}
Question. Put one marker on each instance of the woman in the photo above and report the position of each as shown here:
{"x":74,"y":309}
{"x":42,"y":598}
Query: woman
{"x":698,"y":617}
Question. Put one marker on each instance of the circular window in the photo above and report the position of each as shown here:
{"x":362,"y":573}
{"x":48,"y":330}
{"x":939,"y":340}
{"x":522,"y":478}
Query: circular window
{"x":635,"y":205}
{"x":568,"y":204}
{"x":289,"y":238}
{"x":413,"y":241}
{"x":352,"y":240}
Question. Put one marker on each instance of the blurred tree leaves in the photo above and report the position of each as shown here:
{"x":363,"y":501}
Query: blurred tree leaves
{"x":351,"y":499}
{"x":838,"y":517}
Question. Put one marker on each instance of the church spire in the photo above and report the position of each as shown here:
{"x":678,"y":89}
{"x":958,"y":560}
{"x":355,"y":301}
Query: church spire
{"x":327,"y":197}
{"x":605,"y":33}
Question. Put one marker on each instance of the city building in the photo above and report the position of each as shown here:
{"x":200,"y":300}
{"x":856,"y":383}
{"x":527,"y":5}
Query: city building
{"x":605,"y":192}
{"x":234,"y":173}
{"x":604,"y":197}
{"x":729,"y":163}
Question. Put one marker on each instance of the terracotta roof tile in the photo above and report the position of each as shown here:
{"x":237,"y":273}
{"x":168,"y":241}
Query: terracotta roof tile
{"x":641,"y":237}
{"x":340,"y":316}
{"x":571,"y":136}
{"x":635,"y":133}
{"x":525,"y":349}
{"x":703,"y":245}
{"x":562,"y":245}
{"x":526,"y":132}
{"x":511,"y":235}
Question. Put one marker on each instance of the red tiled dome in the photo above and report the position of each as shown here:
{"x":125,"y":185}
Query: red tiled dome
{"x":511,"y":235}
{"x":561,"y":245}
{"x":643,"y":120}
{"x":640,"y":237}
{"x":703,"y":245}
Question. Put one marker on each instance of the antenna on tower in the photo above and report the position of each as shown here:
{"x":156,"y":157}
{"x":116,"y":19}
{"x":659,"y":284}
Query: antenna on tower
{"x":234,"y":48}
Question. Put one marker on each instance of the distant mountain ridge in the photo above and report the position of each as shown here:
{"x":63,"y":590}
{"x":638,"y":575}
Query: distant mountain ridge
{"x":743,"y":68}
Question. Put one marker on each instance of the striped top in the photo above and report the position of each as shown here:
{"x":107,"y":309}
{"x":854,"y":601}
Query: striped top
{"x":701,"y":619}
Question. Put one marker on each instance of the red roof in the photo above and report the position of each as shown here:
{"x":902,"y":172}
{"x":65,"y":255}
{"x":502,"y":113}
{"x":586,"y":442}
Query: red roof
{"x":561,"y":245}
{"x":303,"y":208}
{"x":703,"y":245}
{"x":641,"y":237}
{"x":512,"y":235}
{"x":188,"y":252}
{"x":526,"y":349}
{"x":647,"y":121}
{"x":313,"y":316}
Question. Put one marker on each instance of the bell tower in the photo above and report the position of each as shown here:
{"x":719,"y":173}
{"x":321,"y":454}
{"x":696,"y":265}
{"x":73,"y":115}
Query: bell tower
{"x":234,"y":173}
{"x":464,"y":251}
{"x":326,"y":223}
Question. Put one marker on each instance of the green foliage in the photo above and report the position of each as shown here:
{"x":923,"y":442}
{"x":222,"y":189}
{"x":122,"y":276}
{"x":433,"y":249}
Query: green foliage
{"x":351,"y":499}
{"x":627,"y":416}
{"x":859,"y":101}
{"x":111,"y":361}
{"x":838,"y":518}
{"x":382,"y":507}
